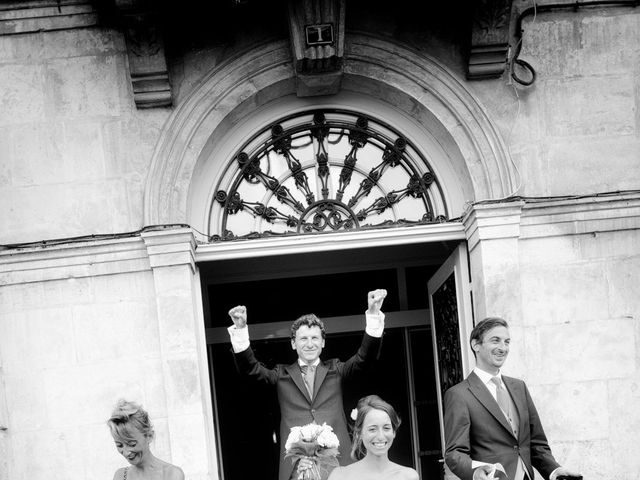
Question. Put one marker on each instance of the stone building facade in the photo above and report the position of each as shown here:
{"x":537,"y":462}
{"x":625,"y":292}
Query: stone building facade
{"x":120,"y":121}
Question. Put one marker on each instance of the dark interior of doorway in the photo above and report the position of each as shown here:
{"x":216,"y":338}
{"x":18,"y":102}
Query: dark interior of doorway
{"x":280,"y":289}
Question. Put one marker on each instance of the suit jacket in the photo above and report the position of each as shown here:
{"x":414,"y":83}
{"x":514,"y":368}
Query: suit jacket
{"x":476,"y":429}
{"x":296,"y":408}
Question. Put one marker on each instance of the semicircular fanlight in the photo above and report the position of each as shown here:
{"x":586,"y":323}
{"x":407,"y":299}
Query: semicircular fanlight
{"x":324,"y":171}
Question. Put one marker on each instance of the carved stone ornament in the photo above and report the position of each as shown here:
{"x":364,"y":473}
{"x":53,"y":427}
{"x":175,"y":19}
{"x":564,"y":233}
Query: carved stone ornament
{"x":145,"y":50}
{"x":489,"y":39}
{"x":316,"y":30}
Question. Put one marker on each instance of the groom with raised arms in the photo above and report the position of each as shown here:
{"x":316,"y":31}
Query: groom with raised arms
{"x":310,"y":389}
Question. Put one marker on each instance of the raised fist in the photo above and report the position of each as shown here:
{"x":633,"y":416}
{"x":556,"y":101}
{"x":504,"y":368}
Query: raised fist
{"x":375,"y":299}
{"x":239,"y":316}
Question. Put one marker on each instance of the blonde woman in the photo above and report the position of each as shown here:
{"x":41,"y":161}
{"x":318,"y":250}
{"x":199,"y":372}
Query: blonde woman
{"x":132,"y":433}
{"x":373,"y":433}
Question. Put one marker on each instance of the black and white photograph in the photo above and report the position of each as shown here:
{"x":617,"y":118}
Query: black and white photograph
{"x":319,"y":240}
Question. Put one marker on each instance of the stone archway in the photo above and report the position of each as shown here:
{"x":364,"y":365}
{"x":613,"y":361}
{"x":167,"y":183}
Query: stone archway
{"x":379,"y":74}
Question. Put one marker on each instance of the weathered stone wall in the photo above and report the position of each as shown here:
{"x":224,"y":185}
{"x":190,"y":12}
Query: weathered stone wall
{"x":576,"y":129}
{"x":74,"y":150}
{"x":580,"y":346}
{"x":86,"y":324}
{"x":72,"y":348}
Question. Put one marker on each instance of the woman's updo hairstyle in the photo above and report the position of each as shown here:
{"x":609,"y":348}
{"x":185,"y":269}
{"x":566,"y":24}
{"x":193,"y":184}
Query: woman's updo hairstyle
{"x":127,"y":415}
{"x":365,"y":405}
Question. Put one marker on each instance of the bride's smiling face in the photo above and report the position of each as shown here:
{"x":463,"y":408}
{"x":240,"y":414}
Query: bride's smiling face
{"x":377,"y":432}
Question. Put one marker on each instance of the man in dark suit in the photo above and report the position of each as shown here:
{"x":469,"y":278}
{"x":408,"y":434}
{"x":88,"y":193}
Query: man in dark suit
{"x":490,"y":421}
{"x":310,"y":390}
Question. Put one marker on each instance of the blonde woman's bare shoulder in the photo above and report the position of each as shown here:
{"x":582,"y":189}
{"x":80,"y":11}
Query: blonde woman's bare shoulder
{"x":119,"y":475}
{"x":173,"y":473}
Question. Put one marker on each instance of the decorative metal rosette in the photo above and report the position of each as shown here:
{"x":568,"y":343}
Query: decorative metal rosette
{"x":324,"y":171}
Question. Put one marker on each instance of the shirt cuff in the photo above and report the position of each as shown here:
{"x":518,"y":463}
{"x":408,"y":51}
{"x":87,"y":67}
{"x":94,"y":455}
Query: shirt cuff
{"x":554,"y":474}
{"x":375,"y":324}
{"x":239,"y":338}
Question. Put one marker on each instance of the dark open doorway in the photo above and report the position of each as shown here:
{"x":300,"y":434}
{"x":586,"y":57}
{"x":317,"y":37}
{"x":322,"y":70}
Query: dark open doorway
{"x":276,"y":290}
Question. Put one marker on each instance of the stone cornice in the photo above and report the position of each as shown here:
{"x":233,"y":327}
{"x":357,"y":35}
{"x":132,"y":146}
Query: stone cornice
{"x":168,"y":248}
{"x":72,"y":260}
{"x":88,"y":258}
{"x":492,"y":221}
{"x":17,"y":17}
{"x":581,"y":215}
{"x":530,"y":218}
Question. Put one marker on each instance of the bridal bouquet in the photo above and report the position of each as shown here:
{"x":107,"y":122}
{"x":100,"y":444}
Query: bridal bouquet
{"x":316,"y":442}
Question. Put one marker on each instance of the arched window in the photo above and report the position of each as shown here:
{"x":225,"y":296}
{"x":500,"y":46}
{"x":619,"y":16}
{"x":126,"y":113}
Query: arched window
{"x":321,"y":171}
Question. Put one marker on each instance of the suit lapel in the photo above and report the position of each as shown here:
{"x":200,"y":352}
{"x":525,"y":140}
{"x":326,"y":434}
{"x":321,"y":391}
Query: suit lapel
{"x":321,"y":372}
{"x":296,"y":375}
{"x":516,"y":390}
{"x":481,"y":392}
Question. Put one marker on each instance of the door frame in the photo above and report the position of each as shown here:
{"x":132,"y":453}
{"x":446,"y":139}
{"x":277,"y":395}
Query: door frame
{"x":458,"y":265}
{"x":312,"y":243}
{"x":325,"y":242}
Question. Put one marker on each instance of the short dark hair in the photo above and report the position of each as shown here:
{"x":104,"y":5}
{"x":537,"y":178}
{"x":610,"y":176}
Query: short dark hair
{"x":483,"y":327}
{"x":310,"y":320}
{"x":365,"y":405}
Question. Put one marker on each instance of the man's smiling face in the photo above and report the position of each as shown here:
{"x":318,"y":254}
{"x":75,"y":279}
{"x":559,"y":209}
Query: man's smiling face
{"x":308,"y":343}
{"x":493,"y":349}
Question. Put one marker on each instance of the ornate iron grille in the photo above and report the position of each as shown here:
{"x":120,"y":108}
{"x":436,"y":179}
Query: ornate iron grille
{"x":324,"y":171}
{"x":445,"y":316}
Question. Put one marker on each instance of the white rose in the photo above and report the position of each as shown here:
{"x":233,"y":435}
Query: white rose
{"x":328,"y":439}
{"x":309,"y":432}
{"x":294,"y":436}
{"x":326,"y":427}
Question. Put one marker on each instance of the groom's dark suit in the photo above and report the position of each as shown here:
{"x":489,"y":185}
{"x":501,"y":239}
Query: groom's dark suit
{"x":476,"y":429}
{"x":297,"y":408}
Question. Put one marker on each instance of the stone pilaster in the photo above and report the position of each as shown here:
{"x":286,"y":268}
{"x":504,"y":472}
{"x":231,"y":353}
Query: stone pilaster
{"x":493,"y":231}
{"x":4,"y":422}
{"x":183,"y":350}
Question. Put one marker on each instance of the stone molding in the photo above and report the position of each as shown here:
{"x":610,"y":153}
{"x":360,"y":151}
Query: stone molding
{"x":142,"y":252}
{"x":539,"y":218}
{"x":589,"y":215}
{"x":146,"y":54}
{"x":168,"y":248}
{"x":374,"y":65}
{"x":69,"y":260}
{"x":492,"y":221}
{"x":330,"y":242}
{"x":18,"y":17}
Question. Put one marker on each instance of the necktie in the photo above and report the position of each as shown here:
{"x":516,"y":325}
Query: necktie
{"x":308,"y":375}
{"x":501,"y":396}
